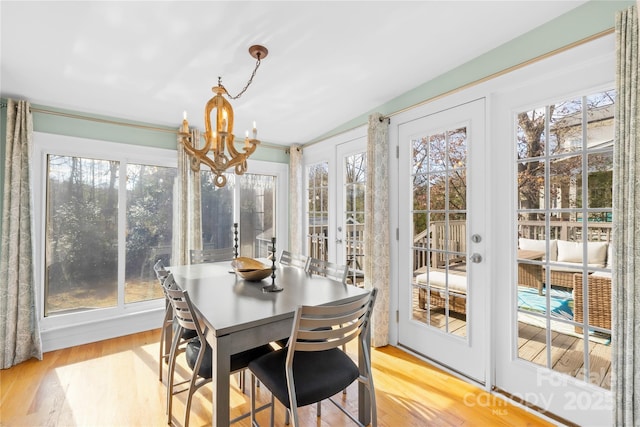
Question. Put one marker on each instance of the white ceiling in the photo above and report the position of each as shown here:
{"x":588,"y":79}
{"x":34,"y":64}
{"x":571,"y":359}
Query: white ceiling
{"x":328,"y":62}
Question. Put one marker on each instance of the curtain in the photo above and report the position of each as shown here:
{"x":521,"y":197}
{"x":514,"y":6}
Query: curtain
{"x":19,"y":332}
{"x":376,"y":236}
{"x":296,"y":195}
{"x":187,"y":212}
{"x":626,"y":228}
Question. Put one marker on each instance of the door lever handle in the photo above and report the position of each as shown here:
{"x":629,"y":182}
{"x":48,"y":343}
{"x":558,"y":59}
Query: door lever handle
{"x":476,"y":258}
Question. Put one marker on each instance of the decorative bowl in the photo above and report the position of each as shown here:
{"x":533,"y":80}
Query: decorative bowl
{"x":250,"y":269}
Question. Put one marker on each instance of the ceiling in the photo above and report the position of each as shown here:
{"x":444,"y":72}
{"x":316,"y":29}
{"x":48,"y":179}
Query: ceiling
{"x":328,"y":62}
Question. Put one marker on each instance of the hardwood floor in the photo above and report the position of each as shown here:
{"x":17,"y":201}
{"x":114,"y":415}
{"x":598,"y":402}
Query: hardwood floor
{"x":115,"y":383}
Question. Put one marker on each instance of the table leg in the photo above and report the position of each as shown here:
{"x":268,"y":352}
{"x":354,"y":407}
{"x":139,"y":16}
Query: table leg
{"x":221,"y":365}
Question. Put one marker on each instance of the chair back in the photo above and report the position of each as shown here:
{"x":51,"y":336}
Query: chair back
{"x":327,"y":269}
{"x":160,"y":270}
{"x":319,"y":328}
{"x":199,"y":256}
{"x":293,"y":260}
{"x":183,"y":311}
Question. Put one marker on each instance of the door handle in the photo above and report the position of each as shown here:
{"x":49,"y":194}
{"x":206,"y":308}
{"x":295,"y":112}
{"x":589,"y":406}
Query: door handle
{"x":338,"y":241}
{"x":476,"y":258}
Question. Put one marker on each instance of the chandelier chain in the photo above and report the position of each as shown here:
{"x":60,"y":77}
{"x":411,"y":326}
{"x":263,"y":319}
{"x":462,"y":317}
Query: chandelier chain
{"x":246,"y":86}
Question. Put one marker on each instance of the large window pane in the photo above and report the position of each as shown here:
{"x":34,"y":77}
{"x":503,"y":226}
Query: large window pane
{"x":257,"y":208}
{"x":81,"y":234}
{"x":149,"y":228}
{"x":217,"y":211}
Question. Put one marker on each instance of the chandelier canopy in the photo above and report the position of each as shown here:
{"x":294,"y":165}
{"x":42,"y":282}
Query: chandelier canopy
{"x":219,"y":152}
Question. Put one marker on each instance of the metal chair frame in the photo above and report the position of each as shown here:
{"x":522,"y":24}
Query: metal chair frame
{"x":322,"y":328}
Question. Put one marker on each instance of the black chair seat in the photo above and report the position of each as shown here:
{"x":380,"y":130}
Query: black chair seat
{"x":186,"y":333}
{"x":318,"y":375}
{"x":238,"y":361}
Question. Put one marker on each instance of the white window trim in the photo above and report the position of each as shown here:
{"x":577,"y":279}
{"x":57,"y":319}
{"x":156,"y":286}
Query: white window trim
{"x":67,"y":330}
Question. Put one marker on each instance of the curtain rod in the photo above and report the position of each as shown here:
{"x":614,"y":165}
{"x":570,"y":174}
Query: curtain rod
{"x":119,"y":123}
{"x":481,"y":80}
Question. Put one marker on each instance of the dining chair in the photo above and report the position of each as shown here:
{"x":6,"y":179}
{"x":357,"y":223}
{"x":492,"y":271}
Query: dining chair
{"x":168,"y":321}
{"x":331,"y":271}
{"x":293,"y":260}
{"x":199,"y":256}
{"x":313,"y":367}
{"x":327,"y":269}
{"x":198,"y":352}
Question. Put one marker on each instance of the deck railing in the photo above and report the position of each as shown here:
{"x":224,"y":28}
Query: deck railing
{"x":565,"y":230}
{"x":455,"y":242}
{"x":445,"y":247}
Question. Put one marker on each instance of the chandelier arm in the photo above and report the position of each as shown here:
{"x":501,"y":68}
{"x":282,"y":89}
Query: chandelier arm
{"x":189,"y":145}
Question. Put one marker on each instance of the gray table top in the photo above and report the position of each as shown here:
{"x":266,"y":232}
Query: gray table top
{"x":230,"y":303}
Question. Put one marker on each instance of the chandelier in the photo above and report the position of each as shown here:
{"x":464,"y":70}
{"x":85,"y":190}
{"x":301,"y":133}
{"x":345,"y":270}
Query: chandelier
{"x":219,"y":152}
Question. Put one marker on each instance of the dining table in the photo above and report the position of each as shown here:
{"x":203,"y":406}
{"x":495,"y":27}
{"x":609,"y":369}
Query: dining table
{"x":238,"y":314}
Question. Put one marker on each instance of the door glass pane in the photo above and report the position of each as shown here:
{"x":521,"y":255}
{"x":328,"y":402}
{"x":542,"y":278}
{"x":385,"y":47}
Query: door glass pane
{"x":355,"y":169}
{"x":318,"y":210}
{"x":257,"y":214}
{"x":563,"y":266}
{"x":81,"y":252}
{"x":149,"y":228}
{"x":439,"y":234}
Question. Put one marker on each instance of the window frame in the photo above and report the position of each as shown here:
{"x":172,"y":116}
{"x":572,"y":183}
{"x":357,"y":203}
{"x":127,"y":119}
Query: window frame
{"x":46,"y":144}
{"x":66,"y":330}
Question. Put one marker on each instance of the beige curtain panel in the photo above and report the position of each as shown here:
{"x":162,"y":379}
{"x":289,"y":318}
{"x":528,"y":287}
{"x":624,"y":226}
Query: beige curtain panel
{"x":187,"y":212}
{"x":376,"y":236}
{"x":296,"y":196}
{"x":19,"y":332}
{"x":626,"y":229}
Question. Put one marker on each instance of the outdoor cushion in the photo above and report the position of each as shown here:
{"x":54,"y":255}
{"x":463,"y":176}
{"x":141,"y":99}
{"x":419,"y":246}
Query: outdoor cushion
{"x":572,"y":252}
{"x":457,"y":283}
{"x":539,"y":246}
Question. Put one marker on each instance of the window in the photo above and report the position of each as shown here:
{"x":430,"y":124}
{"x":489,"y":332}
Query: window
{"x":256,"y":209}
{"x":86,"y":245}
{"x":257,"y":214}
{"x":104,"y":215}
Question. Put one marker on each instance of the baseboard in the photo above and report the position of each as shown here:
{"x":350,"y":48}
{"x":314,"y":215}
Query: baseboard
{"x":78,"y":334}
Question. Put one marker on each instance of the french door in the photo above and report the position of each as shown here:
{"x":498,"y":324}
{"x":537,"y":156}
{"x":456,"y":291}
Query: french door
{"x":443,"y":276}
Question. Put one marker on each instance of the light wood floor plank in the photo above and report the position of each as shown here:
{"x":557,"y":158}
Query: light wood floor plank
{"x":115,"y":383}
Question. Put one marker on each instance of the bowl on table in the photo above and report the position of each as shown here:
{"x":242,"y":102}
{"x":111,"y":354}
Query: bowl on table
{"x":250,"y":269}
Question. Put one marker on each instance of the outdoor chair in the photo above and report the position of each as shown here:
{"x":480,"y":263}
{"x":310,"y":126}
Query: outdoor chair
{"x":313,"y":367}
{"x":198,"y":352}
{"x":598,"y":298}
{"x":200,"y":256}
{"x":293,"y":260}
